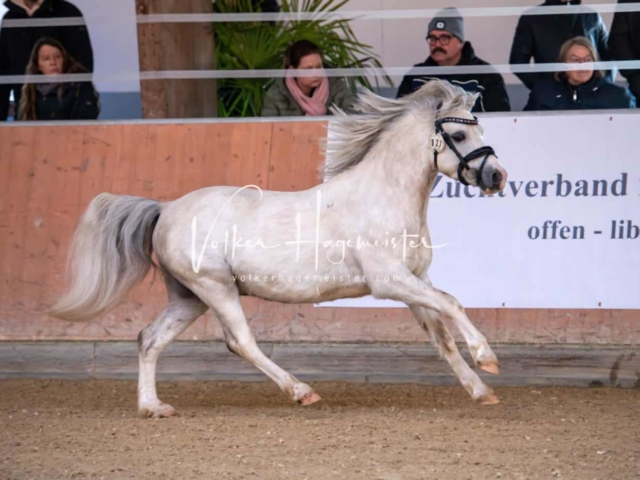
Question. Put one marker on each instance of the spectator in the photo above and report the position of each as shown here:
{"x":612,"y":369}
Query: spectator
{"x":16,"y":43}
{"x":625,"y":44}
{"x":448,"y":48}
{"x":56,"y":101}
{"x":299,"y":96}
{"x":578,"y":89}
{"x":541,"y":36}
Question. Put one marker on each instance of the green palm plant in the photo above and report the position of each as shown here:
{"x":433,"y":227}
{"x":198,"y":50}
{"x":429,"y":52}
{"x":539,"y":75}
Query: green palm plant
{"x":262,"y":45}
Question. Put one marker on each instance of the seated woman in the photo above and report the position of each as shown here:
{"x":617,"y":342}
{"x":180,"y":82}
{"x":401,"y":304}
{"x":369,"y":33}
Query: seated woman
{"x":56,"y":101}
{"x":299,"y":96}
{"x":579,"y":89}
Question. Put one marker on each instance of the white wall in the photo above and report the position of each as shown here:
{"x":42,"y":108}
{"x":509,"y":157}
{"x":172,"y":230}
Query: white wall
{"x":113,"y":32}
{"x":402,"y":42}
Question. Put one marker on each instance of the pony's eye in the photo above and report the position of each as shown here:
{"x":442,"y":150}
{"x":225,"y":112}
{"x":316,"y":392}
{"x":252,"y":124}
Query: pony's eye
{"x":458,"y":137}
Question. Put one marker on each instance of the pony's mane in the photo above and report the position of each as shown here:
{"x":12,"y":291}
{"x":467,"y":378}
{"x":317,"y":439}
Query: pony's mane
{"x":352,"y":136}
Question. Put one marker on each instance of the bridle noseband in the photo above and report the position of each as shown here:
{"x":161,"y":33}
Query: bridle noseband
{"x":441,"y":137}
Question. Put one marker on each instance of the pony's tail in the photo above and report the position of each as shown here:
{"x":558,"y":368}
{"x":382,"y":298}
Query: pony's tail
{"x":110,"y":253}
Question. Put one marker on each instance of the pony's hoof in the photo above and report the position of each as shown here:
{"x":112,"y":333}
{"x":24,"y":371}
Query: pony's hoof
{"x":490,"y":367}
{"x":309,"y":399}
{"x":488,"y":399}
{"x":159,"y":410}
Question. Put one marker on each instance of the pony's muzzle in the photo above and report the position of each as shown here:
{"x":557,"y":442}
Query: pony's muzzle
{"x":496,"y":180}
{"x":492,"y":179}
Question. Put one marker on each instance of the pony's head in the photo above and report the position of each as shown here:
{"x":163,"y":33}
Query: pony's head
{"x":436,"y":119}
{"x":456,"y":142}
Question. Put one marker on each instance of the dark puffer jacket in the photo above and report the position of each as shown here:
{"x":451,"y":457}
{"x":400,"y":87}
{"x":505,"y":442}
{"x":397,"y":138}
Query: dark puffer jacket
{"x":541,"y":36}
{"x":79,"y":102}
{"x":493,"y":94}
{"x":597,"y":93}
{"x":16,"y":44}
{"x":624,"y":43}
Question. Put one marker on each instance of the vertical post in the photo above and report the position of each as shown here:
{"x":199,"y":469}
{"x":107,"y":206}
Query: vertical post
{"x":178,"y":46}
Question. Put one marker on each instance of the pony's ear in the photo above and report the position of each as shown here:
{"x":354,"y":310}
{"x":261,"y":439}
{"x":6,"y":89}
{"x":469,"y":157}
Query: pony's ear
{"x":474,"y":99}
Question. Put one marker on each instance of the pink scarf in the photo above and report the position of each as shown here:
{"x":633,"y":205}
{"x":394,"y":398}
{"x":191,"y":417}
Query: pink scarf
{"x":314,"y":105}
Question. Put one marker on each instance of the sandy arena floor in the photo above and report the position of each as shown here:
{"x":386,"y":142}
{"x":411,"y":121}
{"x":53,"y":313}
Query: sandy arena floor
{"x":89,"y":429}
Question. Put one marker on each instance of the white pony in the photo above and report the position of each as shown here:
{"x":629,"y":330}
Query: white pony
{"x":362,"y":232}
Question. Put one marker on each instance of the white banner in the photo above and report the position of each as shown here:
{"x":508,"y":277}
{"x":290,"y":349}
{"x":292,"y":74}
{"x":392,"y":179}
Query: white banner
{"x":565,"y":232}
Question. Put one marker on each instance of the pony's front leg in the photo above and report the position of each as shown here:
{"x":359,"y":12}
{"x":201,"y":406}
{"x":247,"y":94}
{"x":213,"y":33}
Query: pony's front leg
{"x":430,"y":307}
{"x":443,"y":341}
{"x":480,"y":350}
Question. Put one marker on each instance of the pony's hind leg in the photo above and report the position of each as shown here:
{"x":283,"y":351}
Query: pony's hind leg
{"x":183,"y":309}
{"x":443,"y":341}
{"x":224,"y":300}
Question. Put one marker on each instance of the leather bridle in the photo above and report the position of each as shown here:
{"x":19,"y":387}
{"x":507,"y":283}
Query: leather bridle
{"x":440,"y":138}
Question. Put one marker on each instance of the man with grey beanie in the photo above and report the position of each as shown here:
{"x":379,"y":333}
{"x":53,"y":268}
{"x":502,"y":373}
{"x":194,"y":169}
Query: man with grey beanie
{"x":448,"y":47}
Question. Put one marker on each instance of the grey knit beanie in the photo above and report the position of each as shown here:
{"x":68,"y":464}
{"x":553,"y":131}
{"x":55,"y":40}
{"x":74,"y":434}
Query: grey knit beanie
{"x":453,"y":25}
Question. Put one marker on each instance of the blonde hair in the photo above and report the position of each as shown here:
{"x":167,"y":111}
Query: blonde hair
{"x":572,"y":42}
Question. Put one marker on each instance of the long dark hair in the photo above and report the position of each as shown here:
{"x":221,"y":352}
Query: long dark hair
{"x":27,"y":109}
{"x":300,"y":49}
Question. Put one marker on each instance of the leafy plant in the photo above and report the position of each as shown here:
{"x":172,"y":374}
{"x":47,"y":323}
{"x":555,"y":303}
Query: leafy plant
{"x":262,"y":45}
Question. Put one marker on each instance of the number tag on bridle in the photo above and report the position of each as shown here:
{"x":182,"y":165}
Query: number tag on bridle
{"x":437,"y":142}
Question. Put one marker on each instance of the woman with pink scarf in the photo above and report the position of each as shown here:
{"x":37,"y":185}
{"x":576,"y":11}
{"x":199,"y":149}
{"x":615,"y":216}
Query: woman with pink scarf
{"x":306,"y":96}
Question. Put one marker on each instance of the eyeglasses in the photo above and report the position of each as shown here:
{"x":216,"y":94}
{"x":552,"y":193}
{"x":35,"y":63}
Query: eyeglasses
{"x":574,"y":59}
{"x":443,"y":39}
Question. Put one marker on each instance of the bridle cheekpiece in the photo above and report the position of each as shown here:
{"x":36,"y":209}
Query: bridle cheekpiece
{"x":441,"y":138}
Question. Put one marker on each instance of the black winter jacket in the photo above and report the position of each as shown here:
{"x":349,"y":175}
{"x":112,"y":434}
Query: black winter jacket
{"x":624,"y":43}
{"x":597,"y":93}
{"x":267,"y":6}
{"x":541,"y":36}
{"x":79,"y":102}
{"x":270,"y":6}
{"x":493,"y":94}
{"x":16,"y":44}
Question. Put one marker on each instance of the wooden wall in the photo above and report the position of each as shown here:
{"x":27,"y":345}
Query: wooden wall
{"x":48,"y":175}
